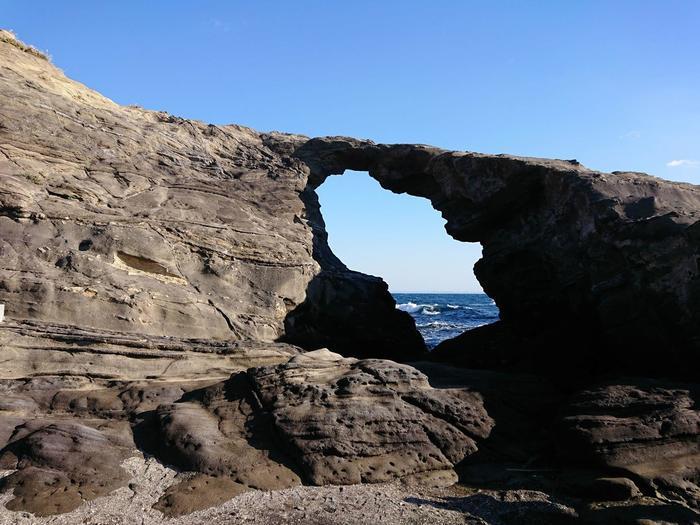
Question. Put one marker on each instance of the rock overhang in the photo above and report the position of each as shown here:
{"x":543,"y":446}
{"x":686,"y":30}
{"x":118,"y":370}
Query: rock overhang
{"x":608,"y":258}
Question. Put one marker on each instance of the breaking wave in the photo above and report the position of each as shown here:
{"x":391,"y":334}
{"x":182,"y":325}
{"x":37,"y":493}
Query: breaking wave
{"x":443,"y":316}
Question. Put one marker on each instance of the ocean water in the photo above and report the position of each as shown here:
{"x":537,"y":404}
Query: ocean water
{"x":442,"y":316}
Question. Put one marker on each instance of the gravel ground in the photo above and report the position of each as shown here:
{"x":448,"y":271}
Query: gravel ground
{"x":384,"y":504}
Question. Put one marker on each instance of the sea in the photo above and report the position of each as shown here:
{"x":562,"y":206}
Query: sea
{"x":441,"y":316}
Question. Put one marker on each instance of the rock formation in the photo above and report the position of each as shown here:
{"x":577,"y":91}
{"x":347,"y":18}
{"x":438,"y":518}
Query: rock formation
{"x":647,"y":429}
{"x":603,"y":265}
{"x":337,"y":420}
{"x":171,"y":299}
{"x":140,"y":222}
{"x":121,"y":219}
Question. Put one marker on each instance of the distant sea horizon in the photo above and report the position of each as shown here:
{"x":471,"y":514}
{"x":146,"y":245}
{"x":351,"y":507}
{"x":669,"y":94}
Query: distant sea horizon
{"x":444,"y":315}
{"x":402,"y":292}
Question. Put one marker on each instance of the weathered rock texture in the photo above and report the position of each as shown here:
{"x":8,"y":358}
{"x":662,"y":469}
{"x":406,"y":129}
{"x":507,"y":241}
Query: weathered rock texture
{"x":647,"y":428}
{"x":319,"y":418}
{"x":591,"y":271}
{"x":163,"y":278}
{"x":332,"y":420}
{"x":371,"y":420}
{"x":61,"y":464}
{"x":116,"y":218}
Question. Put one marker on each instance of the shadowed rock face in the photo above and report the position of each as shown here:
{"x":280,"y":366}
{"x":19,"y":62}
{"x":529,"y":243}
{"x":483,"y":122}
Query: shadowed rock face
{"x":649,"y":429}
{"x":591,"y":271}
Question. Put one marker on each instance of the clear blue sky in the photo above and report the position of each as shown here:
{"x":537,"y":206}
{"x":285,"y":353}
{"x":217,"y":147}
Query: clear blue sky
{"x":615,"y":84}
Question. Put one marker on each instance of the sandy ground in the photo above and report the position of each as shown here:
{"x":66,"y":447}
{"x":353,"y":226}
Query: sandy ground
{"x":384,"y":504}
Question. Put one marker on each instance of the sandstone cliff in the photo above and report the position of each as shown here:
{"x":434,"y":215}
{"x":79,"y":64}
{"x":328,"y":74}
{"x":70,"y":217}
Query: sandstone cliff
{"x":168,"y":287}
{"x":116,"y":218}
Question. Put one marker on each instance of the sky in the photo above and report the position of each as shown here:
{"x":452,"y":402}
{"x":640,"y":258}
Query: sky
{"x":614,"y":84}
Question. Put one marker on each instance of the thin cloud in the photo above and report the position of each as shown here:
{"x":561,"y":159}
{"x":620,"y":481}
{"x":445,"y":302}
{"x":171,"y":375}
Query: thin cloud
{"x":220,"y":25}
{"x":683,"y":163}
{"x":634,"y":134}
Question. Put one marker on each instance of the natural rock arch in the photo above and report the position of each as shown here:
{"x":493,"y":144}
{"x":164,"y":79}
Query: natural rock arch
{"x":148,"y":262}
{"x":221,"y":238}
{"x":591,"y":271}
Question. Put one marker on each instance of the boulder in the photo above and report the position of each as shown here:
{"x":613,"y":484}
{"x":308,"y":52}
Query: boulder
{"x":196,"y":493}
{"x":60,"y":464}
{"x":322,"y":419}
{"x":647,"y":429}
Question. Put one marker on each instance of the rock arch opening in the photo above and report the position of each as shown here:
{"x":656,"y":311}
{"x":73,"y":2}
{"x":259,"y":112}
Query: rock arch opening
{"x":401,"y":238}
{"x":566,"y":257}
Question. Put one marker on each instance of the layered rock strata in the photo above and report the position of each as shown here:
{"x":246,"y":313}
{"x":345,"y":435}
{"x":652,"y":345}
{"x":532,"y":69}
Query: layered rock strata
{"x":649,"y":430}
{"x":120,"y":219}
{"x":163,"y":280}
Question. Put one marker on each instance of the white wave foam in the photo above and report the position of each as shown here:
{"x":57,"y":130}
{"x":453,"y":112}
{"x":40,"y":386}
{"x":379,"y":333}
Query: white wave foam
{"x":441,"y":325}
{"x":460,"y":307}
{"x":409,"y":307}
{"x":412,"y":308}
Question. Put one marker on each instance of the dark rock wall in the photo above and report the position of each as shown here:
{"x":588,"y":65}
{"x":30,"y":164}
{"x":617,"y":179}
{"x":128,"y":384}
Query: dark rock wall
{"x":591,"y":271}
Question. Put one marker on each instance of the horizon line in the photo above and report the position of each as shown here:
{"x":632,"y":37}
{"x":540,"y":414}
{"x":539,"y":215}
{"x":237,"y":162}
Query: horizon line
{"x":437,"y":292}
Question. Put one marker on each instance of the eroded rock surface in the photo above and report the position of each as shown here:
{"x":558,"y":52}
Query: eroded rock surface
{"x":199,"y":492}
{"x":318,"y":418}
{"x":63,"y":463}
{"x":591,"y":271}
{"x":648,"y":428}
{"x":355,"y":421}
{"x":220,"y":431}
{"x":323,"y":419}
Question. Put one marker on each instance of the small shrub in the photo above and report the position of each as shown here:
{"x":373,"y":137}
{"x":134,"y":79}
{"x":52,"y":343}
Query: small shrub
{"x":10,"y":38}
